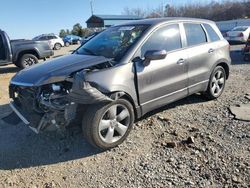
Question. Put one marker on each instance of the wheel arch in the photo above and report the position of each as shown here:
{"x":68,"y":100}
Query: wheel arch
{"x":225,"y":64}
{"x":123,"y":95}
{"x":31,"y":51}
{"x":226,"y":68}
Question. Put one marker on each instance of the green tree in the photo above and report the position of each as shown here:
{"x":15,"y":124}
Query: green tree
{"x":77,"y":30}
{"x":62,"y":33}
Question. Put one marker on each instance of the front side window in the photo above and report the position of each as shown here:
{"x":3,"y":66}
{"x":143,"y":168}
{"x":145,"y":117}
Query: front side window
{"x":195,"y":34}
{"x":113,"y":42}
{"x":2,"y":49}
{"x":166,"y":38}
{"x":211,"y":33}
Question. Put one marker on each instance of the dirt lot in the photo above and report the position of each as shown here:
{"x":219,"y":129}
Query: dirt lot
{"x":191,"y":143}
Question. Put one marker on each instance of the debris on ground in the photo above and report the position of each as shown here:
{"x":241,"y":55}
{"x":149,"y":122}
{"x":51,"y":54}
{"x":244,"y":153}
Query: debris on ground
{"x":241,"y":112}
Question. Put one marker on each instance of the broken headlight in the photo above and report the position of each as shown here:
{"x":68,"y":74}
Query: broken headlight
{"x":53,"y":96}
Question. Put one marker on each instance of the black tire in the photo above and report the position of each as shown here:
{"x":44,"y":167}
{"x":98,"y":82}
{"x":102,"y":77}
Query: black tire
{"x":57,"y":46}
{"x":27,"y":60}
{"x":92,"y":122}
{"x":67,"y":44}
{"x":246,"y":57}
{"x":210,"y":94}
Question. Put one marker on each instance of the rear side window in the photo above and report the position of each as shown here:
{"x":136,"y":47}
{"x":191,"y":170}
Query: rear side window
{"x":195,"y":34}
{"x":211,"y":33}
{"x":51,"y":37}
{"x":43,"y":38}
{"x":166,"y":38}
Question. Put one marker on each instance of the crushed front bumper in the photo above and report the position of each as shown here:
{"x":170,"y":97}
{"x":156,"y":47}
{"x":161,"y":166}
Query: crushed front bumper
{"x":18,"y":112}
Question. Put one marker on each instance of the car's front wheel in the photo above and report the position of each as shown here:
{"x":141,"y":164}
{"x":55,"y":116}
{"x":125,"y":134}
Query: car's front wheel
{"x":216,"y":83}
{"x":107,"y":125}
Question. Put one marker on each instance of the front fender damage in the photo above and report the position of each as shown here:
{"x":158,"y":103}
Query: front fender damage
{"x":58,"y":105}
{"x":83,"y":92}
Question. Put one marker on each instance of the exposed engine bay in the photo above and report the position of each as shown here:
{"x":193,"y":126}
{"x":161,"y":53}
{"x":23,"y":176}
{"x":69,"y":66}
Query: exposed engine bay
{"x":55,"y":106}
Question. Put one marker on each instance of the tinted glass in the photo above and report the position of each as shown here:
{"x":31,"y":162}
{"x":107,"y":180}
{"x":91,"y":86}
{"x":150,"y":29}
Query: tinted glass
{"x":51,"y":37}
{"x":113,"y":42}
{"x":240,"y":29}
{"x":195,"y":34}
{"x":166,"y":38}
{"x":211,"y":33}
{"x":43,"y":38}
{"x":2,"y":49}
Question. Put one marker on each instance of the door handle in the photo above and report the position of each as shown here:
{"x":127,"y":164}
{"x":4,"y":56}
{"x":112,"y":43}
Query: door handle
{"x":211,"y":50}
{"x":181,"y":61}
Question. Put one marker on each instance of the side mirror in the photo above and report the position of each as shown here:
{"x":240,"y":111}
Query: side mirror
{"x":154,"y":55}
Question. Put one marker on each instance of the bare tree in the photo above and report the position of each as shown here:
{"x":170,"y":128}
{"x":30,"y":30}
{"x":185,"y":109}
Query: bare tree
{"x":216,"y":11}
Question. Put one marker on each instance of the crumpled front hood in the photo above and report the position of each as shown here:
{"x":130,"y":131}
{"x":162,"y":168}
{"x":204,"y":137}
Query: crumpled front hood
{"x":55,"y":70}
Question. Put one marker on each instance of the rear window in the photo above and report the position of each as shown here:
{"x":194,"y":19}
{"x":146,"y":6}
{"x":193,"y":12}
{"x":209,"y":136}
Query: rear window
{"x":240,"y":29}
{"x":211,"y":33}
{"x":195,"y":34}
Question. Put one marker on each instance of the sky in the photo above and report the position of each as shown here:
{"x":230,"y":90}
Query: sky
{"x":29,"y":18}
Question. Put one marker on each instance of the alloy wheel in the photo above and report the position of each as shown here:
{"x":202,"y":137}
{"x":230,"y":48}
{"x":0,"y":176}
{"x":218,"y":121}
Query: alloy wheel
{"x":114,"y":123}
{"x":218,"y":83}
{"x":29,"y":61}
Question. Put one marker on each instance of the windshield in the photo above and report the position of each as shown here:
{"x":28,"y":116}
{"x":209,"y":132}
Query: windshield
{"x":113,"y":42}
{"x":240,"y":29}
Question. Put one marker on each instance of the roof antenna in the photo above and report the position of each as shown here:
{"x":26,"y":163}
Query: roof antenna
{"x":91,"y":6}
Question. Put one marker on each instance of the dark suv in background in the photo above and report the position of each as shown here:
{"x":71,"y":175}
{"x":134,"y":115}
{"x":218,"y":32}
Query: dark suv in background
{"x":120,"y":75}
{"x":23,"y":53}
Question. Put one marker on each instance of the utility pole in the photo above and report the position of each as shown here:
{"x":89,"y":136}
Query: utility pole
{"x":91,"y":6}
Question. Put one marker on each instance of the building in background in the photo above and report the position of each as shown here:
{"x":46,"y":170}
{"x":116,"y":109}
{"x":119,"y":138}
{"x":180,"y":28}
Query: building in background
{"x":104,"y":21}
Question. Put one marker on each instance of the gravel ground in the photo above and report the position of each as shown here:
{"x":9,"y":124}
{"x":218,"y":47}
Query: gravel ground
{"x":190,"y":143}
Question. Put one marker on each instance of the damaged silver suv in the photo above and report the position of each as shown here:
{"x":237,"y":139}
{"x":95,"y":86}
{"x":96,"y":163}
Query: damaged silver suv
{"x":120,"y":75}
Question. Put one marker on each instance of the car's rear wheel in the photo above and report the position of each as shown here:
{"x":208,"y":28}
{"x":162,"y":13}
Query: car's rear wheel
{"x":27,"y":60}
{"x":246,"y":57}
{"x":216,"y":83}
{"x":57,"y":46}
{"x":107,"y":125}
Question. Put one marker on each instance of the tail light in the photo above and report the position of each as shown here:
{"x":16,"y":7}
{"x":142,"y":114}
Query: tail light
{"x":241,"y":35}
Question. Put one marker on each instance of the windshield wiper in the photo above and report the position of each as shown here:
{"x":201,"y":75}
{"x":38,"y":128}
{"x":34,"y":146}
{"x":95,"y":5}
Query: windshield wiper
{"x":90,"y":51}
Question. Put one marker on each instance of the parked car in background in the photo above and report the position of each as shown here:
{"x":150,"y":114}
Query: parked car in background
{"x":87,"y":38}
{"x":72,"y":39}
{"x":23,"y":53}
{"x":122,"y":74}
{"x":246,"y":50}
{"x":54,"y":41}
{"x":238,"y":34}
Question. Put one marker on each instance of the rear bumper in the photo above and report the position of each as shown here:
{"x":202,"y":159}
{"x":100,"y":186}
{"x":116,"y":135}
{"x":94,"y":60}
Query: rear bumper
{"x":47,"y":53}
{"x":236,"y":39}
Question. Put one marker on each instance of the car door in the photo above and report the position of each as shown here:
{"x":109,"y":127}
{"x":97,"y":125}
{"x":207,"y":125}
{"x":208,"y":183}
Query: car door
{"x":5,"y":49}
{"x":165,"y":80}
{"x":201,"y":56}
